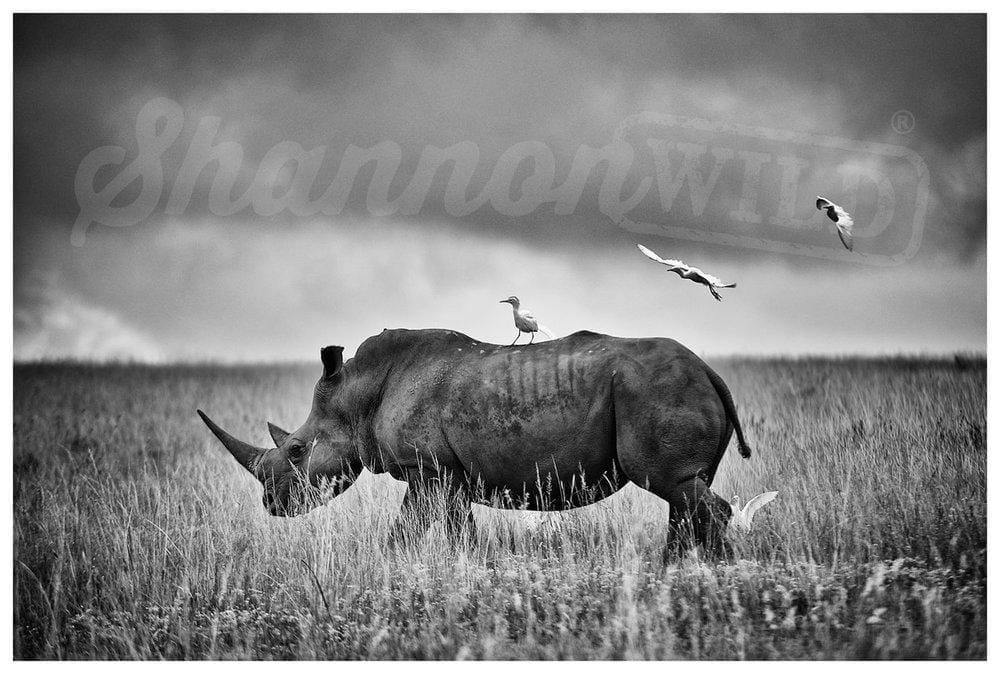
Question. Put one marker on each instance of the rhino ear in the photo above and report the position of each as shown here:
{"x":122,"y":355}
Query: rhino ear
{"x":278,"y":434}
{"x":333,"y":360}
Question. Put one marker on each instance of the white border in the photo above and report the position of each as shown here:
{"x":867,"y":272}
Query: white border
{"x":385,"y":6}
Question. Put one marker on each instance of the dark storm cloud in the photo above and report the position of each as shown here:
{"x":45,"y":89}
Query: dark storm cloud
{"x":495,"y":81}
{"x":192,"y":284}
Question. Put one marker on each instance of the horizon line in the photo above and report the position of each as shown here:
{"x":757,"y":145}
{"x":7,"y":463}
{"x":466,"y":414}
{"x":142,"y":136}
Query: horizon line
{"x":260,"y":362}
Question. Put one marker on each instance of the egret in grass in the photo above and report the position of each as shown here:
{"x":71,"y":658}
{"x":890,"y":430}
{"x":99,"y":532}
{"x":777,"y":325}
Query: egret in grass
{"x":524,"y":320}
{"x":689,"y":272}
{"x":743,"y":517}
{"x":841,"y":218}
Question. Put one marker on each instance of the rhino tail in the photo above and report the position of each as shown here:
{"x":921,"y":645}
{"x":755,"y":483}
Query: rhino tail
{"x":730,"y":407}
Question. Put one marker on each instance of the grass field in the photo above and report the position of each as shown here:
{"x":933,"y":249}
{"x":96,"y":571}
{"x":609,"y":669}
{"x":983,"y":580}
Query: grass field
{"x":137,"y":536}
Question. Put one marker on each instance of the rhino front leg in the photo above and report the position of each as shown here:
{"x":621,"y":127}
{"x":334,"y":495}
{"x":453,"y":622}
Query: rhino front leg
{"x":433,"y":498}
{"x":410,"y":524}
{"x":458,"y":518}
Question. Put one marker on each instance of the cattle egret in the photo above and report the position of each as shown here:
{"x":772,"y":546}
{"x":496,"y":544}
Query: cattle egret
{"x":841,"y":218}
{"x":689,"y":272}
{"x":524,"y":320}
{"x":742,"y":517}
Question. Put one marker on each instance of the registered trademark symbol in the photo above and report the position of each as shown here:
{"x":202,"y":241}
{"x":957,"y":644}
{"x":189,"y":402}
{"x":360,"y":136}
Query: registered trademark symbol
{"x":903,"y":121}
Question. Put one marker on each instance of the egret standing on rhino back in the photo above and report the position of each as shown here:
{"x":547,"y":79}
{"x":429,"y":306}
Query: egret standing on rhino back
{"x":524,"y":320}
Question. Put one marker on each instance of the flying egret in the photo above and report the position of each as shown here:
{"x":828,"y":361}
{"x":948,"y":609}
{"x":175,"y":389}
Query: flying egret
{"x":742,"y":517}
{"x":841,"y":218}
{"x":524,"y":320}
{"x":689,"y":272}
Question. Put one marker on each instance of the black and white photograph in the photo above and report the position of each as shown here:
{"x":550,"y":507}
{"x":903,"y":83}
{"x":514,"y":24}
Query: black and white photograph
{"x":410,"y":336}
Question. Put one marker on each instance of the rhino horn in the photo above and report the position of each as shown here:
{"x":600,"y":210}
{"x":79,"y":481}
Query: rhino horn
{"x":278,"y":434}
{"x":243,"y":452}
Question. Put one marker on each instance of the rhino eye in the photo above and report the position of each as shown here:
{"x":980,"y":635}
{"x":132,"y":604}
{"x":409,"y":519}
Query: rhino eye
{"x":297,"y":449}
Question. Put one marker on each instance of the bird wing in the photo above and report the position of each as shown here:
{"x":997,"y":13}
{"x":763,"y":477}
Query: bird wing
{"x":528,"y":323}
{"x":656,"y":258}
{"x":756,"y":503}
{"x":845,"y":227}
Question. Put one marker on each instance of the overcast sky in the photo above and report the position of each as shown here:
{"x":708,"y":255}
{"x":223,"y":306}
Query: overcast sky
{"x":732,"y":124}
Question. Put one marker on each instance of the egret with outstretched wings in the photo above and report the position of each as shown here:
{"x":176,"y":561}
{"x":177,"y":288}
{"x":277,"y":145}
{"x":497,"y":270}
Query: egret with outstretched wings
{"x":743,"y":517}
{"x":689,"y":272}
{"x":841,"y":218}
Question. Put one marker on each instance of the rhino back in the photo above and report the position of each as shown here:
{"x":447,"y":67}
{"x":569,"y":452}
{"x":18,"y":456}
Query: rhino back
{"x":510,"y":415}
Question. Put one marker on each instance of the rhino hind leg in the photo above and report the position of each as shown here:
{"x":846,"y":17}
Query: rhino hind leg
{"x":698,"y":516}
{"x":675,"y":456}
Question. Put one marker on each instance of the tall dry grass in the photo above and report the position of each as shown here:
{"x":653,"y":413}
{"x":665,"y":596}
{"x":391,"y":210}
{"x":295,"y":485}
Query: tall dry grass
{"x":136,"y":536}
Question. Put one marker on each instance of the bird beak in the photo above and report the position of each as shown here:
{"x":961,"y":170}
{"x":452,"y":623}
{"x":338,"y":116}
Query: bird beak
{"x":504,"y":301}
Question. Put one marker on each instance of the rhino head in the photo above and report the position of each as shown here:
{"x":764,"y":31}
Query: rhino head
{"x":310,"y":464}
